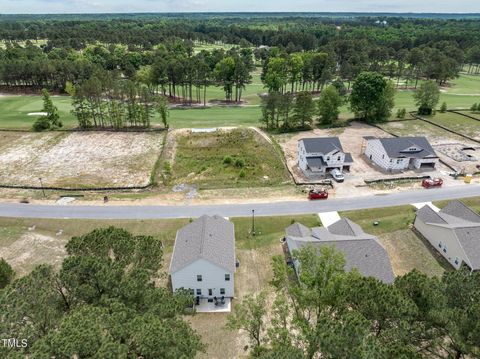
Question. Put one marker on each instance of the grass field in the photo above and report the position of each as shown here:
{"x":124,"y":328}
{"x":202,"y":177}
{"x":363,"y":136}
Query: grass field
{"x":14,"y":110}
{"x":418,"y":128}
{"x":458,"y":123}
{"x":200,"y":160}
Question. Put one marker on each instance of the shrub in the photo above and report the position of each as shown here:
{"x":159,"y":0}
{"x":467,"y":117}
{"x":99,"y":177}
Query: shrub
{"x":239,"y":162}
{"x":474,"y":107}
{"x":444,"y":108}
{"x":41,"y":124}
{"x":242,"y":173}
{"x":401,"y":113}
{"x":227,"y":160}
{"x":6,"y":273}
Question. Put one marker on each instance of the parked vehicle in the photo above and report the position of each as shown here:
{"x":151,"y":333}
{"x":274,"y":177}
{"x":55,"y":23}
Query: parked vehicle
{"x":314,"y":194}
{"x":432,"y":182}
{"x":337,"y":175}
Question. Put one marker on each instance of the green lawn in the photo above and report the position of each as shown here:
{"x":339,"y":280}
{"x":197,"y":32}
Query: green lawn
{"x":14,"y":109}
{"x":200,"y":160}
{"x":268,"y":230}
{"x":458,"y":123}
{"x":389,"y":219}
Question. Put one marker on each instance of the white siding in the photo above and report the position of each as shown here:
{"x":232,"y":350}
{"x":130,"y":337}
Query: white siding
{"x":444,"y":241}
{"x":302,"y":157}
{"x":377,"y":154}
{"x":213,"y":277}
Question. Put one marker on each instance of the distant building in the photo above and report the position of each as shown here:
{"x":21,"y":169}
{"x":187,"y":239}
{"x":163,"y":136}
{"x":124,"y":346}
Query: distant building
{"x":361,"y":250}
{"x":203,"y":259}
{"x":454,"y":232}
{"x":401,"y":153}
{"x":318,"y":155}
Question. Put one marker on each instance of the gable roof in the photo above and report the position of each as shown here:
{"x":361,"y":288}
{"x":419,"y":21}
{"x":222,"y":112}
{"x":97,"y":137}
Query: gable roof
{"x":210,"y":238}
{"x":463,"y":221}
{"x":361,"y":250}
{"x":322,"y":144}
{"x":396,"y":147}
{"x":460,"y":210}
{"x":298,"y":230}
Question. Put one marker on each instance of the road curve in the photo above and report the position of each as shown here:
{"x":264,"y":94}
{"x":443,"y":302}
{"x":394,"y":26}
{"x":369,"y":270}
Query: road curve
{"x":235,"y":210}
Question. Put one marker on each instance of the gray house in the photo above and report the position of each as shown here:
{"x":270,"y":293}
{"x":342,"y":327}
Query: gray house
{"x":454,"y":232}
{"x":401,"y":153}
{"x":361,"y":250}
{"x":318,"y":155}
{"x":203,"y":259}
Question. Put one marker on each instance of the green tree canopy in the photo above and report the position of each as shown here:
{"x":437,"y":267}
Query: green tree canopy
{"x":426,"y":97}
{"x":372,"y":97}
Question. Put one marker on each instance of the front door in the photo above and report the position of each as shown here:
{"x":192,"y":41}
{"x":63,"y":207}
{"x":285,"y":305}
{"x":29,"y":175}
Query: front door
{"x":210,"y":292}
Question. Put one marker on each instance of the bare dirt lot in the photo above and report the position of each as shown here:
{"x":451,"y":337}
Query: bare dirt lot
{"x":449,"y":147}
{"x":84,"y":159}
{"x":352,"y":139}
{"x":33,"y":249}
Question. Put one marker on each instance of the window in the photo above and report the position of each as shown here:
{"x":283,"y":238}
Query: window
{"x":328,"y":158}
{"x":222,"y":291}
{"x":456,"y":261}
{"x":399,"y":161}
{"x":440,"y":245}
{"x":199,"y":292}
{"x":227,"y":277}
{"x":199,"y":277}
{"x":210,"y":292}
{"x":383,"y":156}
{"x":191,"y":291}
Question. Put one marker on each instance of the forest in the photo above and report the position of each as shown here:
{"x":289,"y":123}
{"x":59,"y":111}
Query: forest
{"x":168,"y":56}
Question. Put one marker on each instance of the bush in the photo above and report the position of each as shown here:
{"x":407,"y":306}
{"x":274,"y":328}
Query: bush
{"x":425,"y":110}
{"x":242,"y":173}
{"x":41,"y":124}
{"x":167,"y":168}
{"x":444,"y":108}
{"x":6,"y":273}
{"x":401,"y":113}
{"x":474,"y":107}
{"x":239,"y":162}
{"x":227,"y":160}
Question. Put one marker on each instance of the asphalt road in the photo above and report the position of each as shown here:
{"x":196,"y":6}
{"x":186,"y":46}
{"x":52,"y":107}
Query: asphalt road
{"x":110,"y":211}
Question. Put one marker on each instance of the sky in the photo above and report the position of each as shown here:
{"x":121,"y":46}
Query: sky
{"x":125,"y":6}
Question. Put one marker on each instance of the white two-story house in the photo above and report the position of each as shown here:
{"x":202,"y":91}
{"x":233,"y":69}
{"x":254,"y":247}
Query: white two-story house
{"x":401,"y":153}
{"x":318,"y":155}
{"x":203,"y":260}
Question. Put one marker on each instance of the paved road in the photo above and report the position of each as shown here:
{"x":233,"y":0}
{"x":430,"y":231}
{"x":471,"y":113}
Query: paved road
{"x":235,"y":210}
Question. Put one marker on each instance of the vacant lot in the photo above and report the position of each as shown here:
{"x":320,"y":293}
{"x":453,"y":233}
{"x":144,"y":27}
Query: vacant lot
{"x":458,"y":123}
{"x":84,"y":159}
{"x":226,"y":158}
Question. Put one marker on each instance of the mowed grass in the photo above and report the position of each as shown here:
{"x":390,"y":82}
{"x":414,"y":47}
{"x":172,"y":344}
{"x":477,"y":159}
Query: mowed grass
{"x":458,"y":123}
{"x":460,"y":94}
{"x":389,"y":219}
{"x":201,"y":160}
{"x":14,"y":111}
{"x":268,"y":230}
{"x":418,"y":128}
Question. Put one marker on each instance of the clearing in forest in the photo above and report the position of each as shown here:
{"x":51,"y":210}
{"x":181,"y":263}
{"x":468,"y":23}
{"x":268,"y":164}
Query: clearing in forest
{"x":78,"y":160}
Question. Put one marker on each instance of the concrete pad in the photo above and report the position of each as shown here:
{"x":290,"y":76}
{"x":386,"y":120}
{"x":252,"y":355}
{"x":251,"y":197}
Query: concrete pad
{"x":422,"y":204}
{"x":328,"y":218}
{"x":207,"y":307}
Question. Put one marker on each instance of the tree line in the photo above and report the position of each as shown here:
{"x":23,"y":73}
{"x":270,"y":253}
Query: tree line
{"x":330,"y":313}
{"x":102,"y":303}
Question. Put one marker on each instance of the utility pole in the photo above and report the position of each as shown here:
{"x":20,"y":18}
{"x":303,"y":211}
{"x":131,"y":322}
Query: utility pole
{"x":41,"y":185}
{"x":253,"y":222}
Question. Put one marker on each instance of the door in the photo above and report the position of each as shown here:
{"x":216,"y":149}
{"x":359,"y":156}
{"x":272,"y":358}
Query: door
{"x":210,"y":292}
